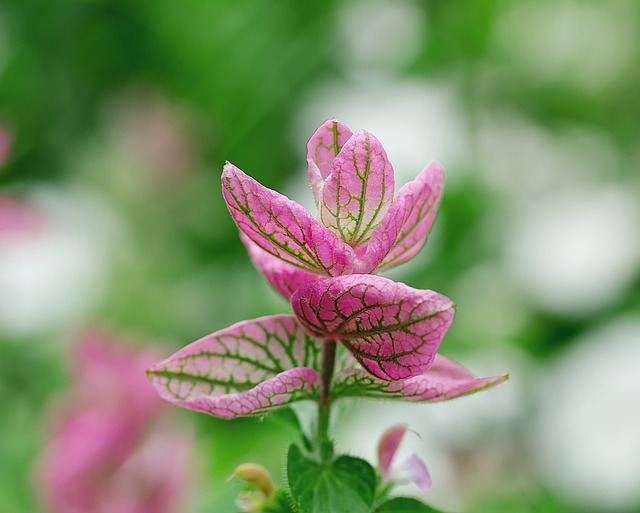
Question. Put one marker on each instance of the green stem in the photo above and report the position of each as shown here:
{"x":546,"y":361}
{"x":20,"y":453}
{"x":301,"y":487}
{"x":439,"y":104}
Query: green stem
{"x":324,"y":404}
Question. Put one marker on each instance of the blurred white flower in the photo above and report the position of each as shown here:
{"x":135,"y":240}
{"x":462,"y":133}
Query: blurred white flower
{"x":51,"y":276}
{"x":381,"y":35}
{"x":577,"y":250}
{"x":586,"y":440}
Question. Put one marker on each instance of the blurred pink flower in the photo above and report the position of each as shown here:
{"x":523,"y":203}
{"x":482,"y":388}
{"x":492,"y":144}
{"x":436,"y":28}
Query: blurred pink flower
{"x":156,"y":132}
{"x":110,"y":451}
{"x":16,"y":217}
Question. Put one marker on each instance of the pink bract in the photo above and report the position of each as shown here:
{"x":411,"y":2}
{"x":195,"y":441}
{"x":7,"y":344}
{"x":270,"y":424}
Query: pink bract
{"x":248,"y":368}
{"x":392,"y":329}
{"x":262,"y":364}
{"x":363,"y":226}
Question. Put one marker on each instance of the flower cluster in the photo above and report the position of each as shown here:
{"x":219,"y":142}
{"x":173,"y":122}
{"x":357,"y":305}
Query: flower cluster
{"x":326,"y":267}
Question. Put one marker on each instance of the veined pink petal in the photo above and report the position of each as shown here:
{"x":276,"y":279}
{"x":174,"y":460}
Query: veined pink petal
{"x":404,"y":230}
{"x":283,"y":277}
{"x":249,"y":368}
{"x":316,"y":181}
{"x":416,"y":472}
{"x":358,"y":192}
{"x":445,"y":380}
{"x":387,"y":447}
{"x":326,"y":142}
{"x":322,"y":148}
{"x":392,"y":329}
{"x":282,"y":227}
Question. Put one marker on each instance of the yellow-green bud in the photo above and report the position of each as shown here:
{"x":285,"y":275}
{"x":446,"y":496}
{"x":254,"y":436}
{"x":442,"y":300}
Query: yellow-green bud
{"x":256,"y":475}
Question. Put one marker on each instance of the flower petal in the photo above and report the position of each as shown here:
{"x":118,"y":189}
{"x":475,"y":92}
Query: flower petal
{"x":283,"y":277}
{"x":393,"y":330}
{"x":282,"y":227}
{"x":387,"y":447}
{"x":358,"y":192}
{"x":445,"y":380}
{"x":416,"y":472}
{"x":322,"y":148}
{"x":404,"y":230}
{"x":248,"y":368}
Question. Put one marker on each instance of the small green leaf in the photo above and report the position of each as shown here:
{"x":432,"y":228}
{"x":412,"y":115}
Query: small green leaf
{"x":405,"y":505}
{"x":345,"y":484}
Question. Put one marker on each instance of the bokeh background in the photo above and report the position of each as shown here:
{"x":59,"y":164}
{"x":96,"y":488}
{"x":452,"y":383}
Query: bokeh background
{"x":117,"y":116}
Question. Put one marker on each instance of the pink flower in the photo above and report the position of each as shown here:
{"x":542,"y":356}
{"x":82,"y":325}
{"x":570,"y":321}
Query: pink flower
{"x":102,"y":456}
{"x":412,"y":470}
{"x":362,"y":228}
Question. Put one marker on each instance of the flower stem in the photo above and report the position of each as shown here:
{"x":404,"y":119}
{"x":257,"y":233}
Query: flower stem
{"x":324,"y":405}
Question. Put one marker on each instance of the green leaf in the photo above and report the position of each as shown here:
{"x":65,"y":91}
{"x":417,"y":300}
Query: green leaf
{"x":405,"y":505}
{"x":345,"y":484}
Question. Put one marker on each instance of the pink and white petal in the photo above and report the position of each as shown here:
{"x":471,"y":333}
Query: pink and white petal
{"x":448,"y":369}
{"x":387,"y":447}
{"x":445,"y":380}
{"x":283,"y":277}
{"x":325,"y":143}
{"x":248,"y":368}
{"x":316,"y":181}
{"x":357,"y":194}
{"x":382,"y":238}
{"x":408,"y":221}
{"x":416,"y":472}
{"x":322,"y":148}
{"x":393,"y":330}
{"x":282,"y":227}
{"x":280,"y":390}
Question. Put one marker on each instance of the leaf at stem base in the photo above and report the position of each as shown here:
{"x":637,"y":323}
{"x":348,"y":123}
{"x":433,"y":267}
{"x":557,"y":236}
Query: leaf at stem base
{"x":344,"y":484}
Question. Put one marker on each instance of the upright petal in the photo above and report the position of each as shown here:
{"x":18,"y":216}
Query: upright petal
{"x":283,"y":277}
{"x":282,"y":227}
{"x":405,"y":228}
{"x":358,"y":192}
{"x":393,"y":330}
{"x":248,"y":368}
{"x":445,"y":380}
{"x":322,"y":148}
{"x":387,"y":447}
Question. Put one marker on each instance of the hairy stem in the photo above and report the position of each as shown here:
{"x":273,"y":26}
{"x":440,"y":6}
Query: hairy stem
{"x":324,"y":405}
